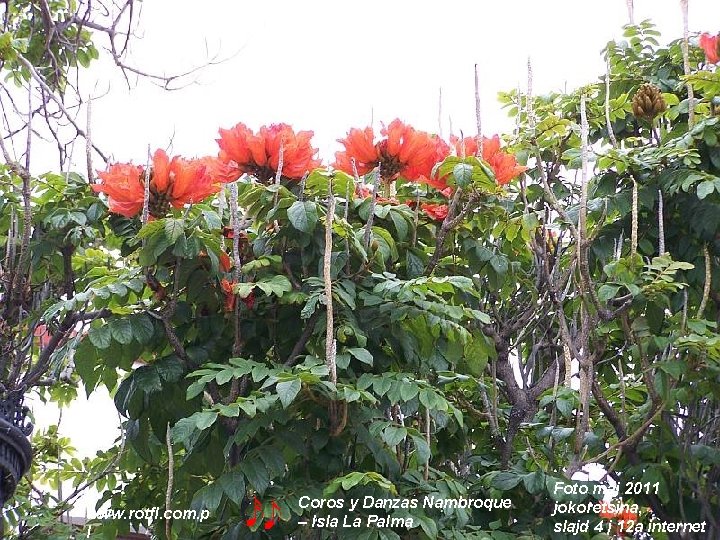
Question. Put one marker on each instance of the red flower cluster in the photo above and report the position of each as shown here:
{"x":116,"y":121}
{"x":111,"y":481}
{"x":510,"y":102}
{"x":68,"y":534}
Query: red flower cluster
{"x":403,"y":151}
{"x":711,"y":46}
{"x":175,"y":183}
{"x":243,"y":151}
{"x":504,"y":165}
{"x":435,"y":211}
{"x":227,"y":289}
{"x":626,"y":517}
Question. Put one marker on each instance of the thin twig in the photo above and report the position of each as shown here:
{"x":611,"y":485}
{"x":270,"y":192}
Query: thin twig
{"x":686,"y":64}
{"x":634,"y":219}
{"x":171,"y":479}
{"x":41,"y":81}
{"x":371,"y":215}
{"x":88,"y":143}
{"x":440,"y":129}
{"x":146,"y":187}
{"x":608,"y":122}
{"x":631,"y":12}
{"x":478,"y":116}
{"x":330,"y":349}
{"x":661,"y":224}
{"x":708,"y":280}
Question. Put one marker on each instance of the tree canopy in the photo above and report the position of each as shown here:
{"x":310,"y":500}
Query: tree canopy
{"x":422,"y":320}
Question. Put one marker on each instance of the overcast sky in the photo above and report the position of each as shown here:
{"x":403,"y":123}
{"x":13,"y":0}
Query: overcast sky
{"x":329,"y":66}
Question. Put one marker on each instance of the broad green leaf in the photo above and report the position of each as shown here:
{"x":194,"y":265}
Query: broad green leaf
{"x":173,"y":229}
{"x":303,"y":216}
{"x":100,"y":336}
{"x":204,"y":419}
{"x":361,"y":354}
{"x":287,"y":390}
{"x":277,"y":285}
{"x":122,"y":330}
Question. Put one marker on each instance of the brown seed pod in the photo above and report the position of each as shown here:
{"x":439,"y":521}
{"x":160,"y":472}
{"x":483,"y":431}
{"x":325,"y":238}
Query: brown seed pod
{"x":648,"y":102}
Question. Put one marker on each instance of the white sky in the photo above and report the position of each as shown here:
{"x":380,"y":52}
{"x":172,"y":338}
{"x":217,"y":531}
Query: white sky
{"x":325,"y":66}
{"x":328,"y":66}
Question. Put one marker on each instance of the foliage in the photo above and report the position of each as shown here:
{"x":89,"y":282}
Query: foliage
{"x":455,"y":340}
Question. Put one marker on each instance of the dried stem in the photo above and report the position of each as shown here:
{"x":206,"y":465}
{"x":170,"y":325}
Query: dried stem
{"x":440,"y":129}
{"x":235,"y":220}
{"x":371,"y":215}
{"x":686,"y":63}
{"x":611,"y":133}
{"x":631,"y":12}
{"x":529,"y":104}
{"x":661,"y":224}
{"x":478,"y":116}
{"x":427,"y":439}
{"x":171,"y":480}
{"x":582,"y":220}
{"x":708,"y":280}
{"x":146,"y":196}
{"x":330,"y":349}
{"x":88,"y":143}
{"x":278,"y":173}
{"x":634,"y":224}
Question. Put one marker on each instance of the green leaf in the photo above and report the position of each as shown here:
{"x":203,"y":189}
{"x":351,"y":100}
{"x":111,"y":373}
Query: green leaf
{"x":303,"y":216}
{"x":233,"y":484}
{"x":429,"y":527}
{"x":287,"y":390}
{"x":256,"y":474}
{"x":499,"y":264}
{"x":277,"y":285}
{"x":183,"y":430}
{"x":606,"y":292}
{"x":705,"y":188}
{"x":142,"y":328}
{"x":208,"y":497}
{"x":422,"y":447}
{"x":100,"y":336}
{"x":173,"y":229}
{"x":205,"y":419}
{"x":462,"y":172}
{"x":121,"y":330}
{"x":361,"y":354}
{"x":505,"y":481}
{"x":147,"y":379}
{"x":674,"y":368}
{"x":534,"y":482}
{"x":351,"y":480}
{"x":392,"y":435}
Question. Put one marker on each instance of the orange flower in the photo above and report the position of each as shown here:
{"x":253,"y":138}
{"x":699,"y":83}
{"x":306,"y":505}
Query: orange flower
{"x":226,"y":262}
{"x":259,"y":155}
{"x":123,"y":184}
{"x":436,"y":211}
{"x":711,"y":46}
{"x":42,"y":332}
{"x":627,"y":519}
{"x":218,"y":170}
{"x":404,"y":151}
{"x":175,"y":182}
{"x":605,"y":512}
{"x":504,"y":165}
{"x":227,"y":288}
